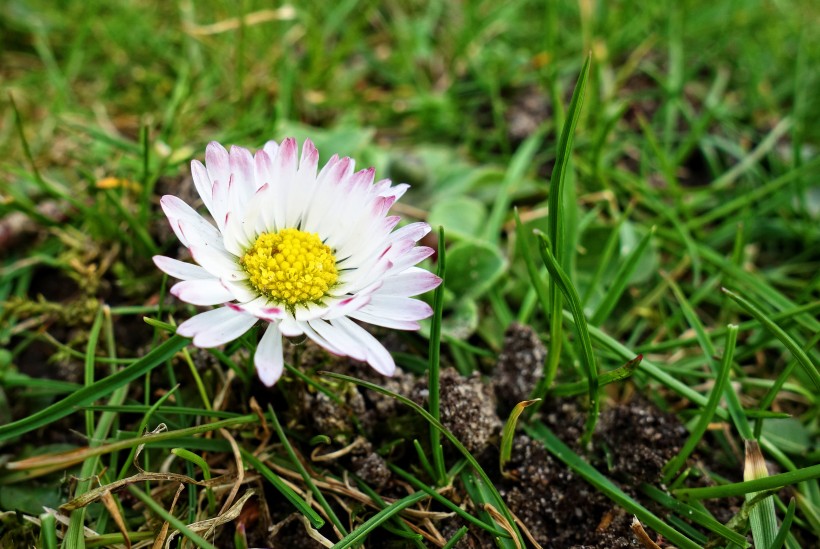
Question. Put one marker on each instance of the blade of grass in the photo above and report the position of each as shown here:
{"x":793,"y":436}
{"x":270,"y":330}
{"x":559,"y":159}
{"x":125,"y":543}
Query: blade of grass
{"x":622,"y":276}
{"x":697,"y":516}
{"x":305,"y":476}
{"x":91,"y":393}
{"x":358,"y":535}
{"x":444,"y":431}
{"x":519,"y":163}
{"x":538,"y":284}
{"x":435,"y":364}
{"x":613,"y":376}
{"x":762,"y":317}
{"x":555,"y":230}
{"x":761,"y":517}
{"x":48,"y":531}
{"x":508,"y":433}
{"x":300,"y":504}
{"x":773,"y":482}
{"x":541,"y":432}
{"x":563,"y":283}
{"x":419,"y":485}
{"x":785,"y":527}
{"x":149,"y":502}
{"x":732,"y":401}
{"x":708,"y":412}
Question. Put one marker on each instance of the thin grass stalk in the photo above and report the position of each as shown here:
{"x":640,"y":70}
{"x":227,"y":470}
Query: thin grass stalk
{"x":555,"y":229}
{"x":708,"y":412}
{"x":562,"y":281}
{"x":157,"y":509}
{"x":433,"y":372}
{"x":305,"y":475}
{"x":761,"y":517}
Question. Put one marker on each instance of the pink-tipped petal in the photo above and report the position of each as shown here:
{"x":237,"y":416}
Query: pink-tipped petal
{"x":261,"y":309}
{"x":346,"y":306}
{"x":217,"y":162}
{"x":398,"y":308}
{"x":202,"y":292}
{"x":413,"y":281}
{"x":180,"y":269}
{"x":268,"y":359}
{"x":392,"y":323}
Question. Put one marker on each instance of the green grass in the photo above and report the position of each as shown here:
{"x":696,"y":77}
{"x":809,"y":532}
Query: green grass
{"x":676,"y":186}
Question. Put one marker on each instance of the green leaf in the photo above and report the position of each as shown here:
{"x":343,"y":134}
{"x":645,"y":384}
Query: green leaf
{"x":790,"y":435}
{"x":473,"y":268}
{"x":462,"y":217}
{"x":508,"y":433}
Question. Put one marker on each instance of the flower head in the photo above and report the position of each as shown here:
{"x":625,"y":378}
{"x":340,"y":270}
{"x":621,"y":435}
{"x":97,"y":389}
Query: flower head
{"x":306,"y":251}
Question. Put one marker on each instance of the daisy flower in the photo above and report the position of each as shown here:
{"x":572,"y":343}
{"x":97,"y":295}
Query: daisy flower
{"x":306,"y":251}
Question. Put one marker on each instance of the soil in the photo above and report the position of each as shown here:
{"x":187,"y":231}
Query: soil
{"x":632,"y":442}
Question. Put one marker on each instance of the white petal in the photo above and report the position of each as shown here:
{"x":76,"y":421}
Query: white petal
{"x":416,"y":255}
{"x":413,"y":281}
{"x":180,"y":269}
{"x":206,"y":320}
{"x":241,"y":290}
{"x":242,"y":168}
{"x":202,"y":292}
{"x":234,"y":238}
{"x":309,"y":311}
{"x":179,"y":212}
{"x":339,"y":339}
{"x":398,"y":308}
{"x":391,"y":323}
{"x":290,"y":328}
{"x":284,"y":168}
{"x":202,"y":182}
{"x":218,"y":163}
{"x":320,"y":340}
{"x":260,"y":308}
{"x":218,"y":263}
{"x":376,"y":355}
{"x":224,"y":332}
{"x":346,"y":306}
{"x":268,"y":359}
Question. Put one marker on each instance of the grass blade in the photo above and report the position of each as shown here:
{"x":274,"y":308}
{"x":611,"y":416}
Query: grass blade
{"x":92,"y":392}
{"x":435,"y":363}
{"x":358,"y":535}
{"x":444,"y":431}
{"x":508,"y":433}
{"x":708,"y":412}
{"x":798,"y":353}
{"x":620,"y":281}
{"x":561,"y":280}
{"x":762,"y":517}
{"x":283,"y":488}
{"x":555,"y":229}
{"x":773,"y":482}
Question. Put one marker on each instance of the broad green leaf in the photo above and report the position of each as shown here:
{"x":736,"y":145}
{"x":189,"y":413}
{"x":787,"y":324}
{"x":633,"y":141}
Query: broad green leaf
{"x":461,"y":216}
{"x":473,"y":268}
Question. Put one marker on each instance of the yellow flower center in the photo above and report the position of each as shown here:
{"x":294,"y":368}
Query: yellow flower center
{"x":290,"y":266}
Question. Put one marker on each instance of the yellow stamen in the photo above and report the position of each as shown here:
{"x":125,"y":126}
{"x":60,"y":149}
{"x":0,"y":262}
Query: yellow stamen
{"x":291,"y":266}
